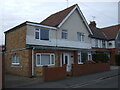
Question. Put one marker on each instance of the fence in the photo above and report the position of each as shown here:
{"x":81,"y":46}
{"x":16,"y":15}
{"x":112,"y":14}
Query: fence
{"x":54,"y":73}
{"x":89,"y":68}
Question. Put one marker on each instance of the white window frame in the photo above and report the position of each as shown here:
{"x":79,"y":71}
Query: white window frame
{"x":40,"y":33}
{"x":15,"y":60}
{"x":46,"y":54}
{"x":64,"y":31}
{"x":82,"y":37}
{"x":79,"y":54}
{"x":37,"y":30}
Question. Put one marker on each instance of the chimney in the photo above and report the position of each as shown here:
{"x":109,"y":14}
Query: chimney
{"x":93,"y":23}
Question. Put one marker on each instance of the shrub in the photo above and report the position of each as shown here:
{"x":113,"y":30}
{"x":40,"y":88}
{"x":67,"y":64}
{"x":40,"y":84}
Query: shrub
{"x":100,"y":57}
{"x":89,"y":62}
{"x":117,"y":59}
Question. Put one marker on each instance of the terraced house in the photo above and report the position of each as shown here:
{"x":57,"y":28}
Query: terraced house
{"x":62,"y":38}
{"x":106,"y":40}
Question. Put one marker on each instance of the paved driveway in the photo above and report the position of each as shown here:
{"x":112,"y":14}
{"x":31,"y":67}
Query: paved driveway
{"x":14,"y":81}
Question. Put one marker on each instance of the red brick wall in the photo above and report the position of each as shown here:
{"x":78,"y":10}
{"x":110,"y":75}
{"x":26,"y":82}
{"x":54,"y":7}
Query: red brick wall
{"x":89,"y":68}
{"x":54,"y":73}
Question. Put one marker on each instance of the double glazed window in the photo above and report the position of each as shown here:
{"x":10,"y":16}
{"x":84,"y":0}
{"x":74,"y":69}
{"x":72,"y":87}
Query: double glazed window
{"x":103,"y":44}
{"x":45,"y":59}
{"x":42,"y":34}
{"x":96,"y":43}
{"x":64,"y":34}
{"x":16,"y":59}
{"x":80,"y":36}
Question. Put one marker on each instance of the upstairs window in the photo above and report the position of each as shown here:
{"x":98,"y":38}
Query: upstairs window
{"x":64,"y":34}
{"x":80,"y":36}
{"x":42,"y":34}
{"x":16,"y":59}
{"x":37,"y":34}
{"x":96,"y":43}
{"x":103,"y":44}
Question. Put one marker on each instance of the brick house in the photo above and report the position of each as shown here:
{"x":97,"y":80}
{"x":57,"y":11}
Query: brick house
{"x":62,"y":38}
{"x":106,"y":40}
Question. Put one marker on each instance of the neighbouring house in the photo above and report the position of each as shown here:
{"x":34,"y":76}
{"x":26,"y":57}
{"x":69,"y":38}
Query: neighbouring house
{"x":62,"y":38}
{"x":1,"y":66}
{"x":106,"y":40}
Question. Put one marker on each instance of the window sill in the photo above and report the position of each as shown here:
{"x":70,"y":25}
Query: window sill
{"x":44,"y":65}
{"x":16,"y":66}
{"x":80,"y":63}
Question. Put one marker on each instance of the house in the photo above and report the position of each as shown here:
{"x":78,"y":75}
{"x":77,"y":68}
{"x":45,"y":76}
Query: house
{"x":106,"y":40}
{"x":1,"y":66}
{"x":62,"y":38}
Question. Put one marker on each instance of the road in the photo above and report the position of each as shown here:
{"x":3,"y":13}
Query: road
{"x":108,"y":79}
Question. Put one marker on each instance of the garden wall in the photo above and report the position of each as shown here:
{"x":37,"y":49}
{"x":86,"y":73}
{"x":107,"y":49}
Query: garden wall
{"x":89,"y":68}
{"x":54,"y":73}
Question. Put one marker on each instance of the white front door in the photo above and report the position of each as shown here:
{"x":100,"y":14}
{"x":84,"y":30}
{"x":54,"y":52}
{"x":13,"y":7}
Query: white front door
{"x":66,"y":60}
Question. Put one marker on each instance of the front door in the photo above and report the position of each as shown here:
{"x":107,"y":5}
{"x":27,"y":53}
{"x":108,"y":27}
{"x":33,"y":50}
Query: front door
{"x":66,"y":60}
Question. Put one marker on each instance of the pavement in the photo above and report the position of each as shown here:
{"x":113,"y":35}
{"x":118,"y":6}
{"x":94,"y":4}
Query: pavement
{"x":13,"y":81}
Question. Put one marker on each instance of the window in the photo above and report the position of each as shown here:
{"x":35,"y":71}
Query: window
{"x":96,"y":43}
{"x":80,"y":36}
{"x":45,"y":59}
{"x":84,"y":56}
{"x":79,"y":58}
{"x":42,"y":34}
{"x":15,"y":59}
{"x":64,"y":34}
{"x":103,"y":44}
{"x":37,"y":34}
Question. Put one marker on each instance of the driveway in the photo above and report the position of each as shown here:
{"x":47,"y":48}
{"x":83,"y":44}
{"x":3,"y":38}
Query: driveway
{"x":13,"y":81}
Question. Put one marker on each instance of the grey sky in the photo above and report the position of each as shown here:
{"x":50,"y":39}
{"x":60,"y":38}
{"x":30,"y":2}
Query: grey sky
{"x":14,"y":12}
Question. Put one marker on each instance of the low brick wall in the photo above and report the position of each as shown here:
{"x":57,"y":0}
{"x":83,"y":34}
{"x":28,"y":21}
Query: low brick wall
{"x":54,"y":73}
{"x":89,"y":68}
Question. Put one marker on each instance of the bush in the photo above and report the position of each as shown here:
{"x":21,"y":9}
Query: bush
{"x":117,"y":59}
{"x":100,"y":57}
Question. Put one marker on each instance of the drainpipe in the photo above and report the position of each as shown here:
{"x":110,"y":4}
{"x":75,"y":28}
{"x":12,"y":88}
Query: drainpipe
{"x":33,"y":61}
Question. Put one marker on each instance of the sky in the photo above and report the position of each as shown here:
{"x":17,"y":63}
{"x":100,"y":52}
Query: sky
{"x":14,"y":12}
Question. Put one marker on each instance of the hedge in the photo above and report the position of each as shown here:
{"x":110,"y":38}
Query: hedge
{"x":117,"y":59}
{"x":100,"y":57}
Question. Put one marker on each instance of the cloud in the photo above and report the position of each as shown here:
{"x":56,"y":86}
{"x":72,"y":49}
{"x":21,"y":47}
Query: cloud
{"x":14,"y":12}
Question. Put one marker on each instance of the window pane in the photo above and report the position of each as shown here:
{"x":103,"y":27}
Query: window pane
{"x":36,"y":35}
{"x":79,"y":59}
{"x":38,"y":59}
{"x":52,"y":59}
{"x":17,"y":59}
{"x":13,"y":59}
{"x":45,"y":59}
{"x":79,"y":36}
{"x":64,"y":34}
{"x":84,"y":56}
{"x":44,"y":34}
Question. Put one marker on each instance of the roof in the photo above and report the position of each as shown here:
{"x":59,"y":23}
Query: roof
{"x":97,"y":33}
{"x":107,"y":33}
{"x":28,"y":23}
{"x":55,"y":19}
{"x":111,"y":31}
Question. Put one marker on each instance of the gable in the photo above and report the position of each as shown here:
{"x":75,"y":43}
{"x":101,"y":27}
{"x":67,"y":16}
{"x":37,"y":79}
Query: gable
{"x":75,"y":23}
